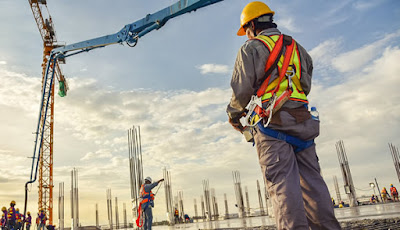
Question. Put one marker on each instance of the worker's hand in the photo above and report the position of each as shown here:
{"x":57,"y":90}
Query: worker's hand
{"x":235,"y":122}
{"x":161,"y":180}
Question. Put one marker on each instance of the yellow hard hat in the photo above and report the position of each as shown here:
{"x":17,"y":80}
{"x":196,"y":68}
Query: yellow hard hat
{"x":28,"y":213}
{"x":12,"y":202}
{"x":17,"y":209}
{"x":252,"y":11}
{"x":391,"y":185}
{"x":3,"y":209}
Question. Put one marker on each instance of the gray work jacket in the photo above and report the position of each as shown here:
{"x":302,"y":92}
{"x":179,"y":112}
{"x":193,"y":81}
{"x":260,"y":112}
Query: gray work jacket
{"x":248,"y":73}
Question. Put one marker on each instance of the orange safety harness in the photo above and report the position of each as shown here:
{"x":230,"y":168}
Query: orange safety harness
{"x":147,"y":197}
{"x":255,"y":108}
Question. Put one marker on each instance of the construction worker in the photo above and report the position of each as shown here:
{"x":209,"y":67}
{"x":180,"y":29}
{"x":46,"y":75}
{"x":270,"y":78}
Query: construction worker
{"x":147,"y":202}
{"x":384,"y":195}
{"x":28,"y":221}
{"x":372,"y":200}
{"x":18,"y":220}
{"x":42,"y":220}
{"x":4,"y":218}
{"x":11,"y":216}
{"x":300,"y":196}
{"x":176,"y":216}
{"x":3,"y":221}
{"x":394,"y":193}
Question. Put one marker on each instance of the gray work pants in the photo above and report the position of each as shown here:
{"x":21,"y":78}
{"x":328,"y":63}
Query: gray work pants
{"x":298,"y":192}
{"x":148,"y":218}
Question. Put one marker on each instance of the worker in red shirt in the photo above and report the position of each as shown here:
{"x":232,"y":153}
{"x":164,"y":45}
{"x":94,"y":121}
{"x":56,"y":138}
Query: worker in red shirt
{"x":394,"y":193}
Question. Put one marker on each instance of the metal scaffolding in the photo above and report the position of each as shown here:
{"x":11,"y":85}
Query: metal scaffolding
{"x":238,"y":193}
{"x":396,"y":158}
{"x":347,"y":178}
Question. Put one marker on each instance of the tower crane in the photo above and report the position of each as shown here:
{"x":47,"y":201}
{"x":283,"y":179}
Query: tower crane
{"x":47,"y":32}
{"x":54,"y":55}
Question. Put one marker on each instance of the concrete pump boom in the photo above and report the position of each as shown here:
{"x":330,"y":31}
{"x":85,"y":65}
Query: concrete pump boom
{"x":130,"y":35}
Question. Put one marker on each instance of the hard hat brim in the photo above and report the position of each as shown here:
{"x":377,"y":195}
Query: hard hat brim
{"x":241,"y":32}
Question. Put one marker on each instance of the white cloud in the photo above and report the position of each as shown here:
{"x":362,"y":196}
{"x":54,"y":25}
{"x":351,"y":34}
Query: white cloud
{"x":3,"y":63}
{"x":354,"y":60}
{"x":213,"y":68}
{"x":288,"y":23}
{"x":324,"y":53}
{"x":366,"y":5}
{"x":99,"y":154}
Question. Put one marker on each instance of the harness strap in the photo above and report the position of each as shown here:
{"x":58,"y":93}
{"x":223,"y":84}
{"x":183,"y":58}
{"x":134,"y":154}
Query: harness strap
{"x":297,"y":143}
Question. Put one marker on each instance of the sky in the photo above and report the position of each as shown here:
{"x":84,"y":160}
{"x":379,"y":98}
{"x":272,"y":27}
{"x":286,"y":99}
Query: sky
{"x":175,"y":85}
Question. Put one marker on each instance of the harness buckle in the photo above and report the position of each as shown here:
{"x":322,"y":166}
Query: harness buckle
{"x":251,"y":106}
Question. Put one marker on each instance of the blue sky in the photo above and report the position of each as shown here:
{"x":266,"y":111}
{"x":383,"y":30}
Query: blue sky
{"x":175,"y":85}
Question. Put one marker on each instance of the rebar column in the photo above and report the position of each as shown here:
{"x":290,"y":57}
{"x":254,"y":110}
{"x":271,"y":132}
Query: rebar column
{"x":338,"y":196}
{"x":195,"y":211}
{"x":203,"y":211}
{"x":247,"y":201}
{"x":347,"y":178}
{"x":168,"y":196}
{"x":207,"y":199}
{"x":61,"y":206}
{"x":109,"y":209}
{"x":135,"y":167}
{"x":125,"y":217}
{"x":74,"y":200}
{"x":238,"y":193}
{"x":396,"y":159}
{"x":226,"y":207}
{"x":180,"y":205}
{"x":116,"y":214}
{"x":260,"y":201}
{"x":97,"y":216}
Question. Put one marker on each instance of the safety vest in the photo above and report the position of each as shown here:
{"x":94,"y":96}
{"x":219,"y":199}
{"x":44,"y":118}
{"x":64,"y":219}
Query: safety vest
{"x":11,"y":214}
{"x":17,"y":217}
{"x":147,"y":197}
{"x":294,"y":70}
{"x":393,"y":190}
{"x":176,"y":212}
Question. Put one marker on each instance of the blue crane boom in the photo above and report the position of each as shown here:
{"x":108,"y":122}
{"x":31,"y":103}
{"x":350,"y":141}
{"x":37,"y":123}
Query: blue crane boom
{"x":129,"y":34}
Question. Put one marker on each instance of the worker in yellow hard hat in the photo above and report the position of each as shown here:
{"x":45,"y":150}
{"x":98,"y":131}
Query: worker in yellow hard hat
{"x":394,"y":193}
{"x":28,"y":221}
{"x":42,"y":220}
{"x":272,"y":78}
{"x":11,"y":215}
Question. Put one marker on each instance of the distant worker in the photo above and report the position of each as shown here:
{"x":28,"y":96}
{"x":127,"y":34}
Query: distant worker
{"x":187,"y":218}
{"x":285,"y":145}
{"x":37,"y":221}
{"x":147,"y":202}
{"x":372,"y":200}
{"x":28,"y":221}
{"x":176,"y":216}
{"x":384,"y":194}
{"x":42,"y":220}
{"x":18,"y":219}
{"x":394,"y":193}
{"x":3,"y":221}
{"x":333,"y":202}
{"x":4,"y":218}
{"x":11,"y":216}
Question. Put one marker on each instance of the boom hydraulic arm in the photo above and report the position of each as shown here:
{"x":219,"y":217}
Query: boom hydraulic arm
{"x":129,"y":34}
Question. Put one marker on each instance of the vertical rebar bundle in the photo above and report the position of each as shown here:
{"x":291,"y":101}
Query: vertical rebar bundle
{"x":196,"y":214}
{"x":247,"y":201}
{"x":238,"y":193}
{"x":168,"y":196}
{"x":74,"y":200}
{"x":266,"y":194}
{"x":214,"y":204}
{"x":109,"y":208}
{"x":347,"y":178}
{"x":125,"y":217}
{"x":338,"y":196}
{"x":180,"y":205}
{"x":226,"y":207}
{"x":396,"y":158}
{"x":116,"y":214}
{"x":260,"y":201}
{"x":97,"y":216}
{"x":203,"y":211}
{"x":206,"y":190}
{"x":135,"y":166}
{"x":61,"y":206}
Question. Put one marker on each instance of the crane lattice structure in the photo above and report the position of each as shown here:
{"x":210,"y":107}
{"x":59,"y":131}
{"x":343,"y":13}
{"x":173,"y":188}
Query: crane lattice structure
{"x":47,"y":32}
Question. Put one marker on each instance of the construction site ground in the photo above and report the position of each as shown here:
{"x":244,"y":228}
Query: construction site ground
{"x":377,"y":216}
